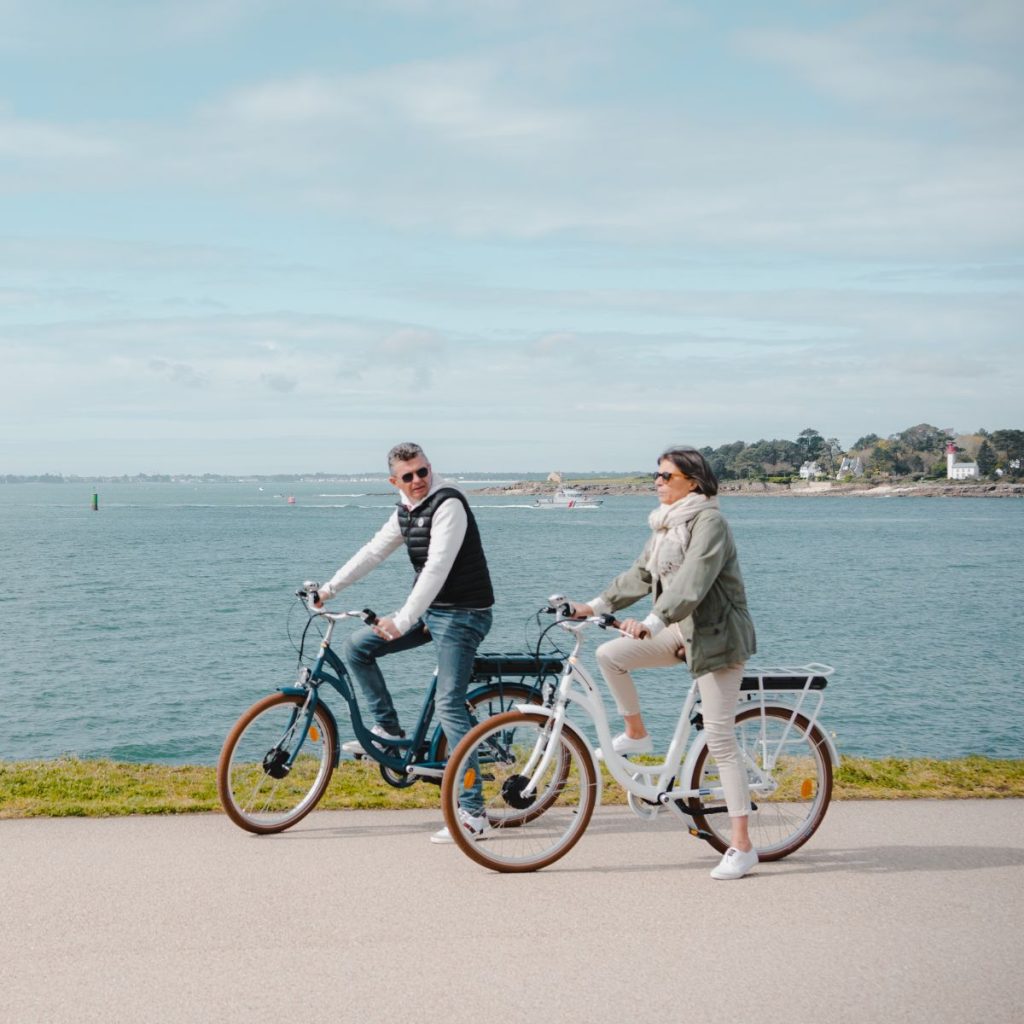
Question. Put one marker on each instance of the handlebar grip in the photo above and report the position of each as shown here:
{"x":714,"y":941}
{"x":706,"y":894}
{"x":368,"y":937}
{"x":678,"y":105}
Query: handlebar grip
{"x":564,"y":609}
{"x":369,"y":617}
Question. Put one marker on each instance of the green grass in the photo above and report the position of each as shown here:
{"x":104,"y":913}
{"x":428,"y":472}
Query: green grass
{"x":75,"y":788}
{"x":893,"y":778}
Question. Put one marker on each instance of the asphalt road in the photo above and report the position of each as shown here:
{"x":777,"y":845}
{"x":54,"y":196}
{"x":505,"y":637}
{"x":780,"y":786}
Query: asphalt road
{"x":904,"y":911}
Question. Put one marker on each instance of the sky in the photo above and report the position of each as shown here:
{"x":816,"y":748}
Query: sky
{"x":251,"y":236}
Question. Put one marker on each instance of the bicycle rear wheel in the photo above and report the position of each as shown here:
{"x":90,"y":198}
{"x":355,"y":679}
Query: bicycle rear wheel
{"x":801,"y":775}
{"x":275,"y":765}
{"x":526,"y":831}
{"x":494,"y":700}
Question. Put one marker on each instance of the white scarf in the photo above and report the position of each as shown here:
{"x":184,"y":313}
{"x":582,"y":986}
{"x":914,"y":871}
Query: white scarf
{"x":671,"y":527}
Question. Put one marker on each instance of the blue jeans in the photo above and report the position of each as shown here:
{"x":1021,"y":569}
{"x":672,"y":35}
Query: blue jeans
{"x":457,"y":632}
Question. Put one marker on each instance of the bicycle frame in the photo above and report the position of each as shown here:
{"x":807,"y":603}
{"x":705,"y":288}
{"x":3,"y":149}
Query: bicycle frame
{"x":654,"y":785}
{"x":329,"y":668}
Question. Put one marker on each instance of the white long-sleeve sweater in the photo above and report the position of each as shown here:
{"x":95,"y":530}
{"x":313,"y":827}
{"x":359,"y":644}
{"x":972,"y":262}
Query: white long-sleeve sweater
{"x":447,"y":531}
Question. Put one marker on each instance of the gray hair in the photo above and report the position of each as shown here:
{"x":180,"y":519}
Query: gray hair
{"x":690,"y":461}
{"x":403,"y":453}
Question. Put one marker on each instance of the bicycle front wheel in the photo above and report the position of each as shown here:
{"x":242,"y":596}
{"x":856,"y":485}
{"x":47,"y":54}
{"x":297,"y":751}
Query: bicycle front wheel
{"x":790,"y":777}
{"x":531,"y":830}
{"x":276,"y":764}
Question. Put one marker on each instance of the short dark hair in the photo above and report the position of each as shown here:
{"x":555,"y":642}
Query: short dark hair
{"x":690,"y":461}
{"x":403,"y":452}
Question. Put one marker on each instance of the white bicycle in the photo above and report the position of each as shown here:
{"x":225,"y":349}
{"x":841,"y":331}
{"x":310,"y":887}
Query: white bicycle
{"x":536,"y":760}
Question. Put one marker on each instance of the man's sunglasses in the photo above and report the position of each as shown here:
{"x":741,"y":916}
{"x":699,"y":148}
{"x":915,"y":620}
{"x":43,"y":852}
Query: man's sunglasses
{"x":665,"y":476}
{"x":421,"y":473}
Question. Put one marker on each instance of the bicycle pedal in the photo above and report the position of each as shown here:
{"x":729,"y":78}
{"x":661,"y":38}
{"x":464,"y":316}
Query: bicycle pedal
{"x":699,"y":834}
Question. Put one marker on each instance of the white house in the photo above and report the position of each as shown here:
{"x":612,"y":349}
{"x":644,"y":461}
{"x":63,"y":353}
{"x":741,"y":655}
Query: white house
{"x":959,"y":470}
{"x":809,"y":470}
{"x":850,"y":467}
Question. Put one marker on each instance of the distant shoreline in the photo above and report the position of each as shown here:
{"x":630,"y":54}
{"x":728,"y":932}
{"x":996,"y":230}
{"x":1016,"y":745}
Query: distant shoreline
{"x":605,"y":485}
{"x":757,"y":489}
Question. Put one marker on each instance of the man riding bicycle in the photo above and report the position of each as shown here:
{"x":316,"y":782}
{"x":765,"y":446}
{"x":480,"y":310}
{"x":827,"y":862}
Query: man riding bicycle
{"x":450,"y":603}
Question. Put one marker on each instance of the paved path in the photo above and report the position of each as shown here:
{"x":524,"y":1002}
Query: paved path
{"x":894,"y":912}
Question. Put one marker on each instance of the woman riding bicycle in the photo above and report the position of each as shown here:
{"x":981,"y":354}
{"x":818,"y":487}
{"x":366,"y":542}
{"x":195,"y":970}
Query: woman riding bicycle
{"x":690,"y":565}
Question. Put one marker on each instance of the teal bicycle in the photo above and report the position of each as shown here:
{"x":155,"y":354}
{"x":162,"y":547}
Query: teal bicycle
{"x":279,"y":757}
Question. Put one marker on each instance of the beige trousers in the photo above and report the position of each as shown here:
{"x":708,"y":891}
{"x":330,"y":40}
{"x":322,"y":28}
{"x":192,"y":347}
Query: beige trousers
{"x":719,"y":692}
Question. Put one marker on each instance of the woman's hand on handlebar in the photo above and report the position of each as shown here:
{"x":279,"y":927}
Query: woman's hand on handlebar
{"x":634,"y":629}
{"x":578,"y":610}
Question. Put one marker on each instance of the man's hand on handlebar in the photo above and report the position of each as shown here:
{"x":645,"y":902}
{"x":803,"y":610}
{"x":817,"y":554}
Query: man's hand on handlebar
{"x":386,"y":629}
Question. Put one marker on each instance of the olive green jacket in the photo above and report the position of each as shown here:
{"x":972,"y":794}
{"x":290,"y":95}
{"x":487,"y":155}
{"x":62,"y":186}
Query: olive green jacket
{"x":705,"y":596}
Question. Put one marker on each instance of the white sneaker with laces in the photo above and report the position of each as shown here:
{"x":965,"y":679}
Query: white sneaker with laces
{"x":475,"y":827}
{"x":355,"y":747}
{"x":735,"y":864}
{"x":623,"y":744}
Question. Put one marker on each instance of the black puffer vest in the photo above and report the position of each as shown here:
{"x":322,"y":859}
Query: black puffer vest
{"x":469,"y":583}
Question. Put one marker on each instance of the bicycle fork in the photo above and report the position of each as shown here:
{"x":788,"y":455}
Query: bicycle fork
{"x":543,"y":751}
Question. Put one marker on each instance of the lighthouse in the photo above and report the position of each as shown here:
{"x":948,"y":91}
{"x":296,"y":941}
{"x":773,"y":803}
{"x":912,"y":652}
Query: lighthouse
{"x":959,"y":470}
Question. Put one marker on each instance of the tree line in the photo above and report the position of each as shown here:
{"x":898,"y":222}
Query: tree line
{"x":918,"y":451}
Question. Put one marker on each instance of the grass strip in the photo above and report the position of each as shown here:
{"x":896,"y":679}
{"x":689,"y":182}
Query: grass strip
{"x":69,"y":787}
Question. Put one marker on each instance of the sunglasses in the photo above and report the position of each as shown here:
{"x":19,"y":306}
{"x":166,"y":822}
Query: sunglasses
{"x":665,"y":476}
{"x":421,"y":473}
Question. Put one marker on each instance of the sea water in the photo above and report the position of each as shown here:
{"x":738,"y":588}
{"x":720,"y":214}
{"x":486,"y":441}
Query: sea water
{"x":142,"y":630}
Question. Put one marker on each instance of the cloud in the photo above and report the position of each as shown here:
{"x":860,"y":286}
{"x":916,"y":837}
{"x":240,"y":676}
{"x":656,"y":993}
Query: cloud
{"x":177,"y":373}
{"x":46,"y":27}
{"x":279,"y":382}
{"x":473,"y":147}
{"x":412,"y":342}
{"x":431,"y":211}
{"x":888,"y":68}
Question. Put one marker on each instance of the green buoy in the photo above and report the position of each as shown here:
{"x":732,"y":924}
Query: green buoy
{"x":95,"y":502}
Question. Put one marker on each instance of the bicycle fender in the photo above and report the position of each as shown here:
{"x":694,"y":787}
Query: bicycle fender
{"x":833,"y":753}
{"x":701,"y":742}
{"x":300,"y":691}
{"x":534,"y":709}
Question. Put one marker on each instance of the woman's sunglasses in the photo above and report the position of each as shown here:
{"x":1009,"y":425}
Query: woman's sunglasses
{"x":421,"y":473}
{"x":665,"y":476}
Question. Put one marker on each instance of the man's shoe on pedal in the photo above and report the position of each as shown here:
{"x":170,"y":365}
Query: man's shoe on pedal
{"x":476,"y":827}
{"x":355,"y":747}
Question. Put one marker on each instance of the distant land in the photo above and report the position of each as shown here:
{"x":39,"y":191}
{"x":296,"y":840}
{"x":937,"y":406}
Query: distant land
{"x":261,"y":478}
{"x":913,"y":458}
{"x":795,"y":489}
{"x":592,"y":484}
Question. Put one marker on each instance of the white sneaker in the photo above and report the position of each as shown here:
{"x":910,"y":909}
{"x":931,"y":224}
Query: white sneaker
{"x":623,"y":744}
{"x":475,"y":827}
{"x":735,"y":864}
{"x":355,"y":747}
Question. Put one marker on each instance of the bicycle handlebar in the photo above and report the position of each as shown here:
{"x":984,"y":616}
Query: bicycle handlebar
{"x":562,"y":607}
{"x":309,"y":594}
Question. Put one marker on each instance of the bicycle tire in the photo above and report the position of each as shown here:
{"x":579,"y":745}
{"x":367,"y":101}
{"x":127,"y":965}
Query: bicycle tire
{"x":787,"y":817}
{"x":521,"y":839}
{"x":258,"y":747}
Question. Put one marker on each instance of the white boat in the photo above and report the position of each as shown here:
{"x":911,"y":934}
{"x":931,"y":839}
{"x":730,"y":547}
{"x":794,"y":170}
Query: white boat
{"x":567,"y":497}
